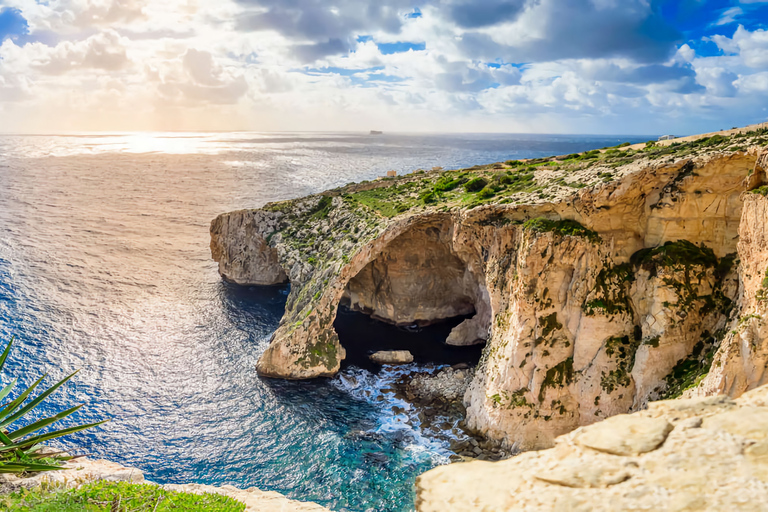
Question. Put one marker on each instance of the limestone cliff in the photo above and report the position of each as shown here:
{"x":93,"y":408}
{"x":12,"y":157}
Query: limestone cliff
{"x":598,"y":282}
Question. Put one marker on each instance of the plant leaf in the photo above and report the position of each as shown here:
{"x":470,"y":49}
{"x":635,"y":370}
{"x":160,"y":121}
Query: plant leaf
{"x":27,"y":443}
{"x":20,"y":399}
{"x":5,"y":353}
{"x":34,"y":427}
{"x":34,"y":403}
{"x":20,"y":467}
{"x":7,"y":389}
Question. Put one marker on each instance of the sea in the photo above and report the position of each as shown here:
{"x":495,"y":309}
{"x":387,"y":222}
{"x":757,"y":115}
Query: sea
{"x":105,"y":268}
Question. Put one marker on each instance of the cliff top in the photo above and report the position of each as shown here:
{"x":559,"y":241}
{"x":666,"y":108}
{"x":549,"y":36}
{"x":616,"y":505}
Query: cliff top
{"x":527,"y":181}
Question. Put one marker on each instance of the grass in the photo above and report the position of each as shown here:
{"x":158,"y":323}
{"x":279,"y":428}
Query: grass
{"x":561,"y":227}
{"x":117,"y":497}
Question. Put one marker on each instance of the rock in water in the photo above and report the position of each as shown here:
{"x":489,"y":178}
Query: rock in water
{"x":391,"y":357}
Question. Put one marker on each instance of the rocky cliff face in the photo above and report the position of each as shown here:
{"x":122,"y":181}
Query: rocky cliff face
{"x":591,"y":303}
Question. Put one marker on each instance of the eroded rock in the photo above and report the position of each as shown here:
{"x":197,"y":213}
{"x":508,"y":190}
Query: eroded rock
{"x":720,"y":466}
{"x":625,"y":434}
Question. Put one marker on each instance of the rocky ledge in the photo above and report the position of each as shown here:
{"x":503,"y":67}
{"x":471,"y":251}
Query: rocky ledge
{"x":597,"y":282}
{"x":83,"y":471}
{"x":706,"y":453}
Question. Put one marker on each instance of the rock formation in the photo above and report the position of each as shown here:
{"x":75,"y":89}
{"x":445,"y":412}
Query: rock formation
{"x":597,"y":282}
{"x":678,"y":455}
{"x":391,"y":357}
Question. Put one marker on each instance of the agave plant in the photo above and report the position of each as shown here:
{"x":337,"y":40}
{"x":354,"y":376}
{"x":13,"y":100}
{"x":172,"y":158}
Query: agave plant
{"x":20,"y":449}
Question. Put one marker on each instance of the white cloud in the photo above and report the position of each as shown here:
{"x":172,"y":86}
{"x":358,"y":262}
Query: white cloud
{"x":269,"y":64}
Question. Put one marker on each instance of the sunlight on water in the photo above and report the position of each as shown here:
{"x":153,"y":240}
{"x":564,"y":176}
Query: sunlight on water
{"x":105,"y":266}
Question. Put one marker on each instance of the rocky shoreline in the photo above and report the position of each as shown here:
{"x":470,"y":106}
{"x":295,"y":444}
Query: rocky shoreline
{"x":438,"y":399}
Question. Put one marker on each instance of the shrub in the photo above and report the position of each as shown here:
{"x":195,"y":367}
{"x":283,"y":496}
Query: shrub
{"x":486,"y":193}
{"x":428,"y":197}
{"x":445,"y":184}
{"x":475,"y":184}
{"x":763,"y":191}
{"x":561,"y":227}
{"x":20,"y":448}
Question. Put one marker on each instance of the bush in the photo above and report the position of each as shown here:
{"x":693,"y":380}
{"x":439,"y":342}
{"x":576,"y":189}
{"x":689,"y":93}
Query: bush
{"x":475,"y":185}
{"x":20,"y":448}
{"x":486,"y":193}
{"x":565,"y":227}
{"x":445,"y":184}
{"x":429,"y":197}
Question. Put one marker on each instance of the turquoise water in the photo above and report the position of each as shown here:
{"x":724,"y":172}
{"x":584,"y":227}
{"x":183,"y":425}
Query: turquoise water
{"x":105,"y":266}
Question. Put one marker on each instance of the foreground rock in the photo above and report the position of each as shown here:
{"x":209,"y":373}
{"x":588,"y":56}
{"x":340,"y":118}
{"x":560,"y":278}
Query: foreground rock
{"x":391,"y":357}
{"x":687,"y":454}
{"x":597,"y":285}
{"x":84,"y":471}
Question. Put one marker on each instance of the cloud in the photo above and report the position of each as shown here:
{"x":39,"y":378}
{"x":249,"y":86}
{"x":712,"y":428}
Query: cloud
{"x":555,"y":65}
{"x":104,"y":51}
{"x":320,"y":21}
{"x":752,"y":47}
{"x":551,"y":30}
{"x":202,"y":80}
{"x":469,"y":14}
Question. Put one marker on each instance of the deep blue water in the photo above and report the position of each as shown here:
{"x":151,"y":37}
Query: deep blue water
{"x":105,"y":266}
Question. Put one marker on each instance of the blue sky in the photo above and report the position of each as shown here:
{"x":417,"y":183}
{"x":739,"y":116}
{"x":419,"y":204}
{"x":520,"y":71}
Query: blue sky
{"x":557,"y":66}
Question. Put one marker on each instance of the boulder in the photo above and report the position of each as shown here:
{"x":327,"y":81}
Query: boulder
{"x":391,"y":357}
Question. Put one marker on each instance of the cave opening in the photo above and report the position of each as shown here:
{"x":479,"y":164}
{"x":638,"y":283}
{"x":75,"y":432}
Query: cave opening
{"x":417,"y":295}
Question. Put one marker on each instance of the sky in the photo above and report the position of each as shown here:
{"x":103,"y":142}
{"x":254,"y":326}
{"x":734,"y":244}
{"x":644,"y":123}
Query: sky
{"x":542,"y":66}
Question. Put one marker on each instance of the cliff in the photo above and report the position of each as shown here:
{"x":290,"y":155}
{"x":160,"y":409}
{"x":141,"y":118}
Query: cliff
{"x":598,"y":282}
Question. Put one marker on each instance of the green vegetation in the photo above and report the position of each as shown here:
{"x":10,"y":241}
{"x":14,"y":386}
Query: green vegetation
{"x":611,"y":291}
{"x":763,"y":191}
{"x":561,"y":227}
{"x":557,"y":376}
{"x":323,"y":208}
{"x":516,"y":399}
{"x":20,"y":451}
{"x":475,"y":184}
{"x":681,"y":253}
{"x":693,"y":262}
{"x":622,"y":350}
{"x":762,"y":293}
{"x":691,"y":370}
{"x":548,"y":324}
{"x":117,"y":497}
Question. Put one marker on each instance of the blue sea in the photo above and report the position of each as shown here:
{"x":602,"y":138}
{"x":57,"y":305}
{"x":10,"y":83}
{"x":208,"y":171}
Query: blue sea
{"x":105,"y":267}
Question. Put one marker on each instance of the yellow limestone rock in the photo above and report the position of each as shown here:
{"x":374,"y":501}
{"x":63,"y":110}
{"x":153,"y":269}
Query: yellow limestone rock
{"x":625,"y":434}
{"x":700,"y":454}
